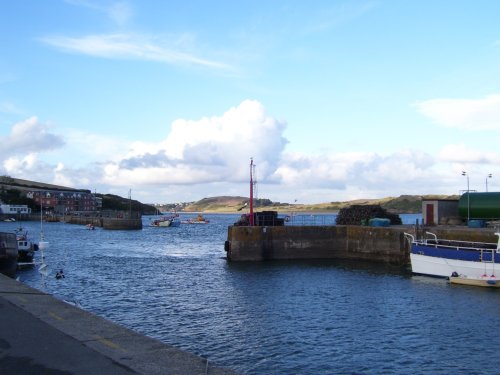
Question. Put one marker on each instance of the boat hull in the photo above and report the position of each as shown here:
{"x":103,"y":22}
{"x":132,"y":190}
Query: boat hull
{"x":25,"y":258}
{"x":446,"y":258}
{"x":162,"y":224}
{"x":485,"y":282}
{"x":444,"y":267}
{"x":166,"y":223}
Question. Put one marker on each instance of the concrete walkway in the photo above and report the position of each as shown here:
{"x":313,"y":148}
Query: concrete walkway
{"x":42,"y":335}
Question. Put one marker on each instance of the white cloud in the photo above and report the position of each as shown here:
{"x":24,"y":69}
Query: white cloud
{"x":210,"y":156}
{"x":466,"y":155}
{"x":371,"y":173}
{"x":13,"y":165}
{"x":87,"y":147}
{"x":29,"y":136}
{"x":468,"y":114}
{"x":211,"y":149}
{"x":128,"y":46}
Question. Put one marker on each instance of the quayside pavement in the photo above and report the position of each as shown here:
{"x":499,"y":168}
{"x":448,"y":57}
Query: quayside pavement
{"x":40,"y":334}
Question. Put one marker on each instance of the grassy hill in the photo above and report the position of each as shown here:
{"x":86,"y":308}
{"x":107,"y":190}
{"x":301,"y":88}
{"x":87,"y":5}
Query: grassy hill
{"x":401,"y":204}
{"x":17,"y":183}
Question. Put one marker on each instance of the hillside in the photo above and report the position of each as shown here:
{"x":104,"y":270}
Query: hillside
{"x":17,"y":183}
{"x":11,"y":191}
{"x":401,"y":204}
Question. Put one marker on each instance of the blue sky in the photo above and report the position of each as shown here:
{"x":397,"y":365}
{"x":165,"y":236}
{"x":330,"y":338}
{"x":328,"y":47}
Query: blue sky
{"x":334,"y":100}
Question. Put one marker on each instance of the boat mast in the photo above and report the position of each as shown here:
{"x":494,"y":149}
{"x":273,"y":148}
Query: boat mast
{"x":251,"y":192}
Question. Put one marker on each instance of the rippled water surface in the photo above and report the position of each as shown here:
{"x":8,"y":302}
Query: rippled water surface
{"x":311,"y":317}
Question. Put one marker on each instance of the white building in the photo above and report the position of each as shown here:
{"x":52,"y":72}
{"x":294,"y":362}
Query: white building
{"x":14,"y":209}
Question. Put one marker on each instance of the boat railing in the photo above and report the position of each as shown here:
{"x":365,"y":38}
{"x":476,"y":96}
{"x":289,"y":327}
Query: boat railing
{"x":455,"y":245}
{"x":433,"y":235}
{"x":409,"y":237}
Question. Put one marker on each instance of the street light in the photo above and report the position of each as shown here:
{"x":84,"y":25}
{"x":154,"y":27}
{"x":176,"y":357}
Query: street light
{"x":488,"y":176}
{"x":464,"y":173}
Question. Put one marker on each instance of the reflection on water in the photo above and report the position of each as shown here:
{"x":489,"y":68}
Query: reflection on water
{"x":308,"y":317}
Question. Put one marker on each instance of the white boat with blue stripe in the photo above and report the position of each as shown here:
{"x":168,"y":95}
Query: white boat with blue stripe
{"x":450,"y":258}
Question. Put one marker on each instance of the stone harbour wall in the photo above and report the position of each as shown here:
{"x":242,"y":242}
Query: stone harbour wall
{"x":378,"y":244}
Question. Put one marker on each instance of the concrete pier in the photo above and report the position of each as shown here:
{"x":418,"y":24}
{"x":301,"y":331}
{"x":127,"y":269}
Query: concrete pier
{"x":106,"y":222}
{"x":347,"y":242}
{"x":42,"y":335}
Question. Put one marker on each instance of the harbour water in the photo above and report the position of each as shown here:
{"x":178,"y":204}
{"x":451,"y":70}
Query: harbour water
{"x":308,"y":317}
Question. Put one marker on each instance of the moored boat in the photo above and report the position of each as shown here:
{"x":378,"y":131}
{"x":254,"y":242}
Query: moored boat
{"x":447,"y":258}
{"x":483,"y":281}
{"x":166,"y":221}
{"x":26,"y":249}
{"x":196,"y":220}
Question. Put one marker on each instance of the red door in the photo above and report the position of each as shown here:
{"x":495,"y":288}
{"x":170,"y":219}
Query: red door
{"x":429,"y":214}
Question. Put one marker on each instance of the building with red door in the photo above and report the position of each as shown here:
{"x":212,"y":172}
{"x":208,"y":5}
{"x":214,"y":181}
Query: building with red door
{"x":440,"y":211}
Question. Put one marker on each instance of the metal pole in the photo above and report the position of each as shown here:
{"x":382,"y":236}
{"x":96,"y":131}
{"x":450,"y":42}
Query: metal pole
{"x":468,"y":200}
{"x":464,"y":173}
{"x":251,"y":192}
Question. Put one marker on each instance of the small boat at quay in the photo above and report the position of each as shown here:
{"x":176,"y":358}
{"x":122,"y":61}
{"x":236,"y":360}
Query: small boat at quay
{"x":484,"y":281}
{"x":462,"y":262}
{"x":166,"y":221}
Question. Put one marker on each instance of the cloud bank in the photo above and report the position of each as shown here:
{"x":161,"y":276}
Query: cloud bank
{"x":210,"y":156}
{"x":212,"y":149}
{"x":29,"y":136}
{"x":467,"y":114}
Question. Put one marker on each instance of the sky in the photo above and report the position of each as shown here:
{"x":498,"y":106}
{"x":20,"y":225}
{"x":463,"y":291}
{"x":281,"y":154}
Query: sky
{"x":334,"y":100}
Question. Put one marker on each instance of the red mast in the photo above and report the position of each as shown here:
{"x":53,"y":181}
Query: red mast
{"x":251,"y":192}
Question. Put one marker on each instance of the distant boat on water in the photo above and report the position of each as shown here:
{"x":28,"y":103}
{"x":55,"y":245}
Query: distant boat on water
{"x":166,"y":221}
{"x":196,"y":220}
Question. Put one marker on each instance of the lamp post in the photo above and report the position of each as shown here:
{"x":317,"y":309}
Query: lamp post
{"x":464,"y":173}
{"x":486,"y":180}
{"x":251,"y":192}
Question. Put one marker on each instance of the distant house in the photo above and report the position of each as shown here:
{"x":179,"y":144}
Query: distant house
{"x":14,"y":209}
{"x":439,"y":211}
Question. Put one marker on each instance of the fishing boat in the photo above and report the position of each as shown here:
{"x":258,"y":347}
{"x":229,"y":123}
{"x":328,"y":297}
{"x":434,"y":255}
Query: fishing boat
{"x":26,"y":249}
{"x":196,"y":220}
{"x":463,"y":261}
{"x":166,"y":221}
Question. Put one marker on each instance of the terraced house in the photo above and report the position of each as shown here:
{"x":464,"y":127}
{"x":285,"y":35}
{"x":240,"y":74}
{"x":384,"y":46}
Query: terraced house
{"x":63,"y":202}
